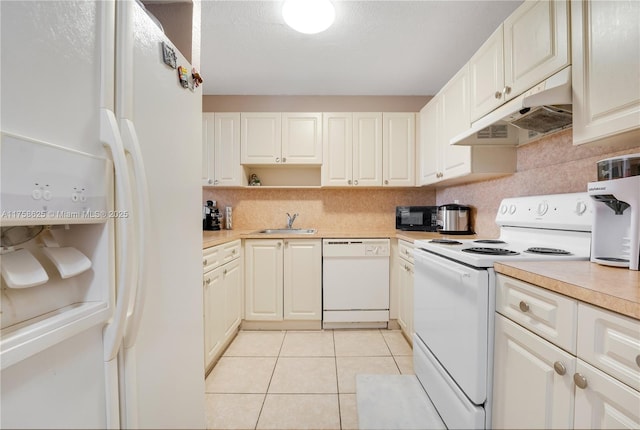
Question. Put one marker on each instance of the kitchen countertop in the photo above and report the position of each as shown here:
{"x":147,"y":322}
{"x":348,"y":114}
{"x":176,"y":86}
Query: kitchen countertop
{"x":612,"y":288}
{"x":213,"y":238}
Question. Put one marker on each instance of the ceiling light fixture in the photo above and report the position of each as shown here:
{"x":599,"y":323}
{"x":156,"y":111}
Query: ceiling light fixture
{"x":308,"y":16}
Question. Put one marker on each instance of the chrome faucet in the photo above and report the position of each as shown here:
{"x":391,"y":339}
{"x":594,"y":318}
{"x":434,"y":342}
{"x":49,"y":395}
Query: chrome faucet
{"x":290,"y":220}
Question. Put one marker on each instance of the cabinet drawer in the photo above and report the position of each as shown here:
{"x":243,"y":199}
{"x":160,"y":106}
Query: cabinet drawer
{"x":230,"y":251}
{"x":549,"y":315}
{"x":211,"y":258}
{"x":405,"y":250}
{"x":610,"y":342}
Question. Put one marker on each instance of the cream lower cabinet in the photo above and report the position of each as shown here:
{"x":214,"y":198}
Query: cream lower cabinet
{"x":405,"y":273}
{"x":542,"y":380}
{"x":605,"y":68}
{"x":222,"y":296}
{"x":283,"y":279}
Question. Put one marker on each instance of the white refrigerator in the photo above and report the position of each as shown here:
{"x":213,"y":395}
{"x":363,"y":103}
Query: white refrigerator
{"x":101,"y":322}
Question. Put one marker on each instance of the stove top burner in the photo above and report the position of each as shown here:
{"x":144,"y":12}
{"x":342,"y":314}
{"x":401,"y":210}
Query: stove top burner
{"x":489,"y":251}
{"x":494,"y":241}
{"x":445,"y":242}
{"x":547,"y":251}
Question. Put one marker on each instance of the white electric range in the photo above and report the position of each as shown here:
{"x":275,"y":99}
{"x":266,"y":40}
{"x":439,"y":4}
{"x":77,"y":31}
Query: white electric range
{"x":454,"y":297}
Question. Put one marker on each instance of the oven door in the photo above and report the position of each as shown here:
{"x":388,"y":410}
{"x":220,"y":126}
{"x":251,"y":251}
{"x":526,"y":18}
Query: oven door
{"x":451,"y":317}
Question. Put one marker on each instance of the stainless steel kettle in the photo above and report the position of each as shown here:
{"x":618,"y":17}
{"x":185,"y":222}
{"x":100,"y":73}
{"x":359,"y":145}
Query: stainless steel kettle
{"x":454,"y":219}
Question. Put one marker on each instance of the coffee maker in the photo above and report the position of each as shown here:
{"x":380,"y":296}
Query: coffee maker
{"x":210,"y":216}
{"x":615,"y":236}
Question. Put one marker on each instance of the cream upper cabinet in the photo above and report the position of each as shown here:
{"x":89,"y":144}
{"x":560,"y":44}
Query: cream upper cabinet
{"x":486,"y":72}
{"x":398,"y":149}
{"x":605,"y":68}
{"x":261,"y":138}
{"x":429,"y":144}
{"x":367,"y":149}
{"x":221,"y":149}
{"x":536,"y":44}
{"x":531,"y":45}
{"x":352,"y":145}
{"x":337,"y":147}
{"x":208,"y":130}
{"x":302,"y":138}
{"x":281,"y":138}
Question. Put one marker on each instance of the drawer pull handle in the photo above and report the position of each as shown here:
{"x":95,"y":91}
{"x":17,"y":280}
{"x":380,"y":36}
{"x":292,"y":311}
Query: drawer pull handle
{"x":233,"y":251}
{"x":524,"y":306}
{"x":638,"y":360}
{"x":208,"y":281}
{"x":559,"y":368}
{"x":580,"y":381}
{"x":204,"y":262}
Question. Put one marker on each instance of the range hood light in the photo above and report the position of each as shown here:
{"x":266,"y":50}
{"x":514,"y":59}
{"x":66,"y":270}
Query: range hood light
{"x":308,"y":16}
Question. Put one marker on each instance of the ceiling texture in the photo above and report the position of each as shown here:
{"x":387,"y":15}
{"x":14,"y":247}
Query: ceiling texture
{"x":373,"y":48}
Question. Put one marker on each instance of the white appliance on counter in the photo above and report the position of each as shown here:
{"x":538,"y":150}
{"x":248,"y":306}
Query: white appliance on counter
{"x":102,"y":311}
{"x":355,"y":283}
{"x":454,"y":297}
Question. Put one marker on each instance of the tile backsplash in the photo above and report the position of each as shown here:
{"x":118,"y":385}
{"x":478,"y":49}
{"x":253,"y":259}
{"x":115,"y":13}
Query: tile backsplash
{"x":326,"y":209}
{"x":550,"y":166}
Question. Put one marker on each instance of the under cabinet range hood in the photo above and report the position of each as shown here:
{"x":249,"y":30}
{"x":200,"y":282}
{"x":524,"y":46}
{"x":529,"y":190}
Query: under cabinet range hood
{"x":542,"y":110}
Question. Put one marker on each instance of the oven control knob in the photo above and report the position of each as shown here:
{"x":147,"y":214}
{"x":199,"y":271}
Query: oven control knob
{"x":503,"y":209}
{"x":581,"y":207}
{"x":512,"y":209}
{"x":542,"y":208}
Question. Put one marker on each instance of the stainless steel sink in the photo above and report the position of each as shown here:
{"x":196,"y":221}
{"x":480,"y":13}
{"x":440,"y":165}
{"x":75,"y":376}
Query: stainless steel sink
{"x":287,"y":231}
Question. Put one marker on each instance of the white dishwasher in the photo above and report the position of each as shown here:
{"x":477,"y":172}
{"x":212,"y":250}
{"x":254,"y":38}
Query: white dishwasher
{"x":355,"y":283}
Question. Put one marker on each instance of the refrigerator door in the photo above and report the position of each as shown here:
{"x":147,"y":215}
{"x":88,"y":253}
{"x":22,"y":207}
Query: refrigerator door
{"x":162,"y":378}
{"x":57,"y":61}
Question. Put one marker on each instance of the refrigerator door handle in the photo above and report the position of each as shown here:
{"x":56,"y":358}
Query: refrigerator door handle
{"x":141,"y":219}
{"x":114,"y":331}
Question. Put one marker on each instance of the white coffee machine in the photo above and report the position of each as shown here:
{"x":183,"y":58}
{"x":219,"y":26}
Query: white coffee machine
{"x":615,"y":236}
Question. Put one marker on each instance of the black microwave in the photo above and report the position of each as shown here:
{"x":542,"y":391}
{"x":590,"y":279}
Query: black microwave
{"x":417,"y":218}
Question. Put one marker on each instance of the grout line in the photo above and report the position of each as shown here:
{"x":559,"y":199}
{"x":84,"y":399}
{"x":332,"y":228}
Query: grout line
{"x":270,"y":379}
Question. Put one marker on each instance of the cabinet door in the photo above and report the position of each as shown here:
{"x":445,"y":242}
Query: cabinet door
{"x":232,"y":279}
{"x":263,"y":279}
{"x":303,"y":279}
{"x":454,"y":100}
{"x":228,"y":170}
{"x":208,"y":139}
{"x":528,"y":391}
{"x":214,"y":301}
{"x":405,"y":297}
{"x":536,"y":44}
{"x":302,"y":138}
{"x":367,"y":149}
{"x":398,"y":149}
{"x":487,"y":76}
{"x":605,"y":68}
{"x":605,"y":403}
{"x":429,"y":153}
{"x":261,"y":138}
{"x":337,"y":148}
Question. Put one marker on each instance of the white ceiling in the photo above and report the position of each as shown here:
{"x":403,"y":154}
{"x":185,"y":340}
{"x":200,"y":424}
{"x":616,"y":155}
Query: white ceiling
{"x":373,"y":48}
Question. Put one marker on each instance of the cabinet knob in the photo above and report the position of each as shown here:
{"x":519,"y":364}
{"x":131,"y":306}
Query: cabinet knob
{"x":355,"y":182}
{"x":208,"y":281}
{"x":233,"y":251}
{"x":279,"y":245}
{"x":580,"y":380}
{"x":284,"y":159}
{"x":506,"y":90}
{"x":349,"y":182}
{"x":216,"y":182}
{"x":498,"y":94}
{"x":559,"y":368}
{"x":224,"y":272}
{"x":210,"y":181}
{"x":638,"y":360}
{"x":386,"y":182}
{"x":204,"y":262}
{"x":524,"y":306}
{"x":277,"y":159}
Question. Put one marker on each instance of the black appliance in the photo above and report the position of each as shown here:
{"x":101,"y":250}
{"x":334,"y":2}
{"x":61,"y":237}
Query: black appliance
{"x":417,"y":218}
{"x":211,"y":216}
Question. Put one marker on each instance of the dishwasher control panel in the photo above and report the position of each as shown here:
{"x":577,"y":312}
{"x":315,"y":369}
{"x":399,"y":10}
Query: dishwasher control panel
{"x":376,"y":250}
{"x":356,"y":247}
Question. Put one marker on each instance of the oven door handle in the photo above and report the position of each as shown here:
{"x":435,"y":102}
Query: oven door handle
{"x":421,"y":255}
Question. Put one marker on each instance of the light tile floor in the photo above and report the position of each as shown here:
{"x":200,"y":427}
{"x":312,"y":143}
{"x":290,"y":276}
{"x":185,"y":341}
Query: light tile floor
{"x":299,"y":379}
